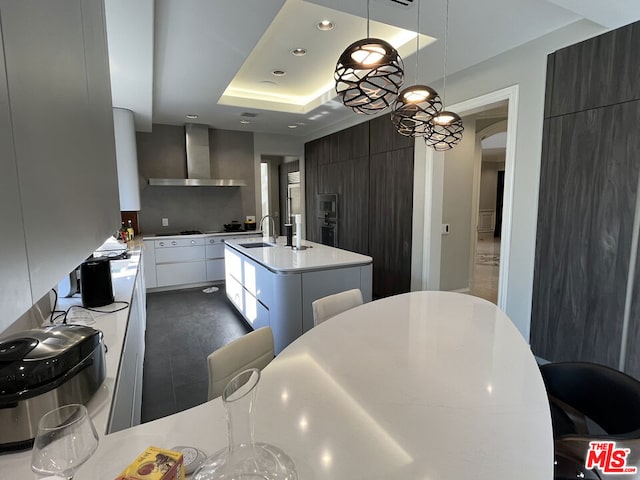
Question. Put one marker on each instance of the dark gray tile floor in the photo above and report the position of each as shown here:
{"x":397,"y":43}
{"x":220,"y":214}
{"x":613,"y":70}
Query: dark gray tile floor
{"x":183,"y":328}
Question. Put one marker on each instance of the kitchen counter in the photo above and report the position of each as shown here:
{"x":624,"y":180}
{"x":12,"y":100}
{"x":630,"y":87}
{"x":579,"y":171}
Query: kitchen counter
{"x":450,"y":397}
{"x":281,"y":259}
{"x":160,"y":236}
{"x":114,"y":325}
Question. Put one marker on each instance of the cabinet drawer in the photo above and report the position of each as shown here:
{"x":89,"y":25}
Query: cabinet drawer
{"x":215,"y":251}
{"x":235,"y":293}
{"x":215,"y":270}
{"x":180,"y":254}
{"x":255,"y":313}
{"x":180,"y":273}
{"x":179,"y":242}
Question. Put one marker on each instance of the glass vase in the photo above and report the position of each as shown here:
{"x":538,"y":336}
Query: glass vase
{"x":245,"y":459}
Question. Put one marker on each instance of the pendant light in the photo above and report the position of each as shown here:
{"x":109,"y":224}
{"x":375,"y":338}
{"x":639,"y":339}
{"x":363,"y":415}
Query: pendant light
{"x":416,"y":105}
{"x":445,"y":129}
{"x":369,"y":74}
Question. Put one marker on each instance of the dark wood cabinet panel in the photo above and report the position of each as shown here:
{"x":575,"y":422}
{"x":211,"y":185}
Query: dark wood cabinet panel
{"x":311,"y":163}
{"x":375,"y":197}
{"x":632,"y":363}
{"x":349,"y":181}
{"x":390,"y":217}
{"x":548,"y":89}
{"x":597,"y":72}
{"x":385,"y":138}
{"x":589,"y":177}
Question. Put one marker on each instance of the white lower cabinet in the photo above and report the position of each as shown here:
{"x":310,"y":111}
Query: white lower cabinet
{"x":214,"y":253}
{"x":169,"y":274}
{"x":126,"y":410}
{"x":178,"y":262}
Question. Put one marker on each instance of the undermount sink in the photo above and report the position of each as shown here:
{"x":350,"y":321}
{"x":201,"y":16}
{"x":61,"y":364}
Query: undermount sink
{"x":256,"y":245}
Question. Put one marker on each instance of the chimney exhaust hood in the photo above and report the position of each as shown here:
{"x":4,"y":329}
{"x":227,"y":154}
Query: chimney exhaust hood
{"x":198,"y":163}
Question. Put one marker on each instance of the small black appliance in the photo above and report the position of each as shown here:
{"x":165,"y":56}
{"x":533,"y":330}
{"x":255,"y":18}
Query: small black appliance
{"x":95,"y":282}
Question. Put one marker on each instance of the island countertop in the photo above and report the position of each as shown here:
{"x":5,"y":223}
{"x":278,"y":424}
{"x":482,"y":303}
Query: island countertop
{"x":281,"y":259}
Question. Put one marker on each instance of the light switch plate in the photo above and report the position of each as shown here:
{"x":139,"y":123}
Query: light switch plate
{"x":445,"y":229}
{"x":165,"y":222}
{"x":251,"y":218}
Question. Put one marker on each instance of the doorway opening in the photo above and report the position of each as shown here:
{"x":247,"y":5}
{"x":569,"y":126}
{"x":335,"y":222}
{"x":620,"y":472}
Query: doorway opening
{"x":433,"y":223}
{"x":491,"y":136}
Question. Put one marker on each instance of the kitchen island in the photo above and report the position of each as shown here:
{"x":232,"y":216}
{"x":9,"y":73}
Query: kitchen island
{"x":274,"y":285}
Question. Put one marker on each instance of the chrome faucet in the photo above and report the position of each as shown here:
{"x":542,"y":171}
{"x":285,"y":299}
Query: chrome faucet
{"x":272,"y":224}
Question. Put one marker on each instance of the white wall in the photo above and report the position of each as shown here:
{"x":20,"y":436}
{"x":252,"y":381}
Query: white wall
{"x":488,"y":185}
{"x":524,"y":66}
{"x":457,"y":205}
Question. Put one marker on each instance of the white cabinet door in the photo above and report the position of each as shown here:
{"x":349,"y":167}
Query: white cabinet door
{"x":258,"y":280}
{"x":255,"y":312}
{"x":149,"y":264}
{"x":15,"y":291}
{"x":57,"y":71}
{"x":180,"y":273}
{"x":124,"y":131}
{"x":215,"y":270}
{"x":235,"y":292}
{"x":127,"y":399}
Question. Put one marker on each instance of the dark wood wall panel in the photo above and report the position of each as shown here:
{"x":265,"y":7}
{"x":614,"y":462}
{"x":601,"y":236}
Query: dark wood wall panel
{"x":390,"y":220}
{"x":343,"y":163}
{"x":312,"y":155}
{"x":347,"y":180}
{"x":632,"y":363}
{"x":589,"y":175}
{"x":385,"y":138}
{"x":597,"y":72}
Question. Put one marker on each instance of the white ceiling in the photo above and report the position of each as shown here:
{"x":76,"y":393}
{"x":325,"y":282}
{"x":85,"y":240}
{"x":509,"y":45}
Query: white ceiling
{"x":170,"y":58}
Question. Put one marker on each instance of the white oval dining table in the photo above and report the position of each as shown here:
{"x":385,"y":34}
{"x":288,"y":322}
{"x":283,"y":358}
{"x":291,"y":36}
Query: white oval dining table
{"x":421,"y":386}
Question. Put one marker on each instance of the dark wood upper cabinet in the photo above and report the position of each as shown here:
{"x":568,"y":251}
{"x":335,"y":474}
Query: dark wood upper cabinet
{"x":597,"y":72}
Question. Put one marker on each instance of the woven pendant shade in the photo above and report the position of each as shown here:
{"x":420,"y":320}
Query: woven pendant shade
{"x":414,"y":108}
{"x":445,"y":131}
{"x":368,"y":75}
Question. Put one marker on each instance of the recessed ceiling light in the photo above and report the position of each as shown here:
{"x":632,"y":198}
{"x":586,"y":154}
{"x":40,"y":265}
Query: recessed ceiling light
{"x":245,"y":121}
{"x":292,"y":126}
{"x":299,"y":52}
{"x":325,"y":25}
{"x":279,"y":73}
{"x":191,"y":116}
{"x":268,"y":83}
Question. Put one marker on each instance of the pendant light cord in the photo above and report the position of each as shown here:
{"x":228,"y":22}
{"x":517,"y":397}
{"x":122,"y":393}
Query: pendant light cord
{"x":417,"y":42}
{"x":446,"y":46}
{"x":368,"y":19}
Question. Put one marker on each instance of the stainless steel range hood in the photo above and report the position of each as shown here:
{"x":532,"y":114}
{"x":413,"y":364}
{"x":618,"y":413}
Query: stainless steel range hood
{"x":198,"y":163}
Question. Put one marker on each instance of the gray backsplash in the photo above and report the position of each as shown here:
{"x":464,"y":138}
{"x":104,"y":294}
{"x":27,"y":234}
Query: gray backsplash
{"x":161,"y":154}
{"x":189,"y":208}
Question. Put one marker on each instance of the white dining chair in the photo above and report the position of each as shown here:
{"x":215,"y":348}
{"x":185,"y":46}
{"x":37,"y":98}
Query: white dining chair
{"x":253,"y":350}
{"x":326,"y":307}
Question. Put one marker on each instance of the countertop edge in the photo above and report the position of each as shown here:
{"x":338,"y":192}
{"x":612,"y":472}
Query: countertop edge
{"x":362,"y":260}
